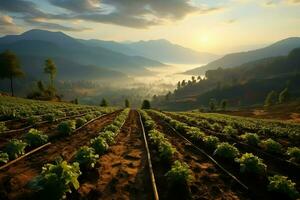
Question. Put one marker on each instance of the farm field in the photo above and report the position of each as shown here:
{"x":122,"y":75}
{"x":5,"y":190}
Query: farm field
{"x":54,"y":150}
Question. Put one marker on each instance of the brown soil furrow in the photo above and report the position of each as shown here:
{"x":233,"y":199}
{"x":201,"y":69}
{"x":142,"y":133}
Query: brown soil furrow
{"x":123,"y":173}
{"x":14,"y":179}
{"x":209,"y":182}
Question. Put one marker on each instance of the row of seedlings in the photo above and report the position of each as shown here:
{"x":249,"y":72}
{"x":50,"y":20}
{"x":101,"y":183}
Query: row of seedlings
{"x":253,"y":139}
{"x":60,"y":178}
{"x":178,"y":175}
{"x":249,"y":163}
{"x":270,"y":128}
{"x":35,"y":138}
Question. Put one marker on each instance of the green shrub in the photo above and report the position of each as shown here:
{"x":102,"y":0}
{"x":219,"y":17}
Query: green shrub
{"x":35,"y":138}
{"x":86,"y":157}
{"x":3,"y":127}
{"x":89,"y":117}
{"x":250,"y":138}
{"x":99,"y":144}
{"x":112,"y":128}
{"x":33,"y":120}
{"x":226,"y":150}
{"x":294,"y":154}
{"x":4,"y":158}
{"x":80,"y":121}
{"x":108,"y":136}
{"x":195,"y":133}
{"x":252,"y":164}
{"x":271,"y":146}
{"x":56,"y":180}
{"x":229,"y":130}
{"x":66,"y":127}
{"x":49,"y":117}
{"x":15,"y":148}
{"x":283,"y":185}
{"x":149,"y":125}
{"x":166,"y":151}
{"x":216,"y":127}
{"x":211,"y":141}
{"x":179,"y":174}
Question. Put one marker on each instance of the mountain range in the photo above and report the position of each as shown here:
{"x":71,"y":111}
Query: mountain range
{"x":280,"y":48}
{"x":161,"y":50}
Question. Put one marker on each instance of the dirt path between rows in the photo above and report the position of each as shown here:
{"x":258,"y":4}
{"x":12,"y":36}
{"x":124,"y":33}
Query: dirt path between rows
{"x":123,"y":173}
{"x":13,"y":179}
{"x":208,"y":182}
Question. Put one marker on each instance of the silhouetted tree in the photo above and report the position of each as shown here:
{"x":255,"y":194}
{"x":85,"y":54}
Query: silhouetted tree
{"x":127,"y":104}
{"x":40,"y":86}
{"x":224,"y":103}
{"x":168,"y":96}
{"x":50,"y":69}
{"x":271,"y":98}
{"x":103,"y":103}
{"x":284,"y":96}
{"x":212,"y":104}
{"x":183,"y":83}
{"x":193,"y":79}
{"x":10,"y":68}
{"x":178,"y":85}
{"x":146,"y":104}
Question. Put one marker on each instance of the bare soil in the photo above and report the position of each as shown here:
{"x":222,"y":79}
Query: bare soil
{"x":13,"y":180}
{"x":123,"y":171}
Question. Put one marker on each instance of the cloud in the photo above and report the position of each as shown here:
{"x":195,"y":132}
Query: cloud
{"x":42,"y":23}
{"x":7,"y":25}
{"x":6,"y":20}
{"x":131,"y":13}
{"x":128,"y":13}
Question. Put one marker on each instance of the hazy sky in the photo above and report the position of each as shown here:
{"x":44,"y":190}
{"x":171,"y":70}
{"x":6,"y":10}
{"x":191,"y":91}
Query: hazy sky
{"x":217,"y":26}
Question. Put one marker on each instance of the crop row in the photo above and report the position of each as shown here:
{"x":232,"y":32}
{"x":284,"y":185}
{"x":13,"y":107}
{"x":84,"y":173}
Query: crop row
{"x":271,"y":128}
{"x":35,"y":138}
{"x":56,"y":180}
{"x":249,"y":163}
{"x":268,"y":145}
{"x":179,"y":175}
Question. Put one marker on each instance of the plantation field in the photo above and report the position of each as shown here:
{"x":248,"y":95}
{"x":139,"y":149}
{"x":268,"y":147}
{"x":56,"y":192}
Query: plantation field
{"x":59,"y":150}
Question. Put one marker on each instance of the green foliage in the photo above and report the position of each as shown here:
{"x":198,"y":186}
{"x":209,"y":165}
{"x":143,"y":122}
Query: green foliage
{"x":56,"y":180}
{"x":15,"y":148}
{"x":146,"y":104}
{"x":271,"y":146}
{"x":86,"y":157}
{"x":283,"y":185}
{"x":2,"y":127}
{"x":165,"y":149}
{"x":229,"y":130}
{"x":67,"y":127}
{"x":271,"y":98}
{"x":89,"y":117}
{"x":149,"y":125}
{"x":10,"y":67}
{"x":179,"y":174}
{"x":250,"y":138}
{"x":4,"y":158}
{"x":80,"y":121}
{"x":294,"y":154}
{"x":103,"y":103}
{"x":50,"y":69}
{"x":33,"y":120}
{"x":112,"y":128}
{"x":49,"y":117}
{"x":216,"y":127}
{"x":127,"y":104}
{"x":99,"y":144}
{"x":227,"y":151}
{"x":211,"y":141}
{"x":251,"y":164}
{"x":35,"y":138}
{"x":195,"y":133}
{"x":108,"y":136}
{"x":284,"y":96}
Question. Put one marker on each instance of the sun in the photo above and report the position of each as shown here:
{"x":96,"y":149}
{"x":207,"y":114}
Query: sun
{"x":204,"y":39}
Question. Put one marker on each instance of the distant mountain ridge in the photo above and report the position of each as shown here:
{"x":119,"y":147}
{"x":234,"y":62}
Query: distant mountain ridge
{"x":280,"y":48}
{"x":161,"y":50}
{"x":57,"y":44}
